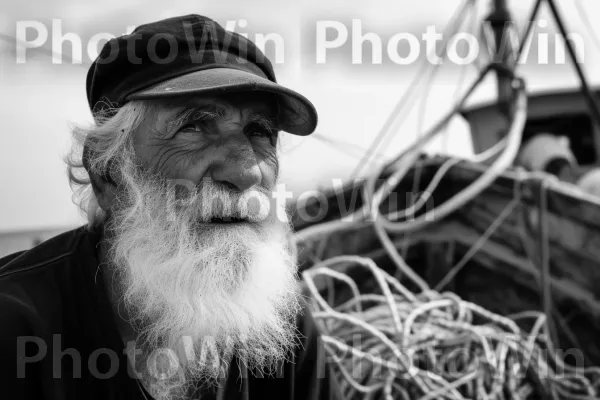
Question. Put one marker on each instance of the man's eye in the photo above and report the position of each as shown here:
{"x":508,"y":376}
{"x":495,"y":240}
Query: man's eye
{"x":259,"y":131}
{"x":192,"y":127}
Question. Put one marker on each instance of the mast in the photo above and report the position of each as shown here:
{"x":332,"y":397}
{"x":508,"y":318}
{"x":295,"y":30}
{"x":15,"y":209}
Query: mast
{"x":501,"y":23}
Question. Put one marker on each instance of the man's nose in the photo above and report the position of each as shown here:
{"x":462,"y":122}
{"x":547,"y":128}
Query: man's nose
{"x":238,"y":170}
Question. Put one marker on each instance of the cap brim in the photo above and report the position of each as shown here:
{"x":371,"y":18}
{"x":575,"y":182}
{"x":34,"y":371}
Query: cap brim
{"x":298,"y":115}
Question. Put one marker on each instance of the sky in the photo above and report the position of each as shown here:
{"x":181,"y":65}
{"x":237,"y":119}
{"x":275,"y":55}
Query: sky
{"x":40,"y":99}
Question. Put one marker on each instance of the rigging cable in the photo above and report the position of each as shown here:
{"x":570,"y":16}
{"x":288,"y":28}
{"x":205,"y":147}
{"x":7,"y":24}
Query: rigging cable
{"x":365,"y":215}
{"x":424,"y":196}
{"x":585,"y":88}
{"x":404,"y":102}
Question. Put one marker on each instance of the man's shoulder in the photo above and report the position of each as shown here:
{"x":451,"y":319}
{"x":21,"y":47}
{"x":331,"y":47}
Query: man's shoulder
{"x":35,"y":285}
{"x":43,"y":256}
{"x":32,"y":311}
{"x":33,"y":282}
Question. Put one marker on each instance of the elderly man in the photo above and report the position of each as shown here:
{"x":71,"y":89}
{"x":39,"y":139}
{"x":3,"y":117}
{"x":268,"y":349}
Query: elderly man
{"x":183,"y":285}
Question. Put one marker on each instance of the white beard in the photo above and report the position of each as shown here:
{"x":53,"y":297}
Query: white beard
{"x":207,"y":292}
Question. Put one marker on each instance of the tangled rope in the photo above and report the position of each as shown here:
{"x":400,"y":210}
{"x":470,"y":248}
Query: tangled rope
{"x":395,"y":344}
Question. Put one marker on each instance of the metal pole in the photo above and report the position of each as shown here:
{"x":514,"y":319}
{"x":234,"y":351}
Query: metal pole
{"x":500,"y":21}
{"x":545,"y":274}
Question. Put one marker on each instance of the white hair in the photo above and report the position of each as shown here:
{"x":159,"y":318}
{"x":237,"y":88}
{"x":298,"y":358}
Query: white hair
{"x":106,"y":139}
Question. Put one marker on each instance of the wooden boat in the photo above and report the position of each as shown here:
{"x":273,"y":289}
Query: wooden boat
{"x":504,"y":272}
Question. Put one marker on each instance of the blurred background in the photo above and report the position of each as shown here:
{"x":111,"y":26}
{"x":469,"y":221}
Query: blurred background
{"x":42,"y":88}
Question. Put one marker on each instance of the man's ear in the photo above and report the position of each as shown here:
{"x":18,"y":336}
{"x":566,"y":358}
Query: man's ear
{"x":104,"y":191}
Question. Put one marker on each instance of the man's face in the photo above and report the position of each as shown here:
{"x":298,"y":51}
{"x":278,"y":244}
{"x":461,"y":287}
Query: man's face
{"x":186,"y":271}
{"x":230,"y":140}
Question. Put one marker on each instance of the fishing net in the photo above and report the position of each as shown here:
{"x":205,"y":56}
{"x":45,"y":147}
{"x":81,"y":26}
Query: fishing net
{"x":394,"y":343}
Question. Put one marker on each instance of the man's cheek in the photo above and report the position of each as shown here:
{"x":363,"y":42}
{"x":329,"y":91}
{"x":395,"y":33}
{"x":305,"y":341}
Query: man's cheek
{"x":269,"y":166}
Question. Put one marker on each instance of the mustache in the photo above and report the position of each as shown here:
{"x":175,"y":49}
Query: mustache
{"x":216,"y":202}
